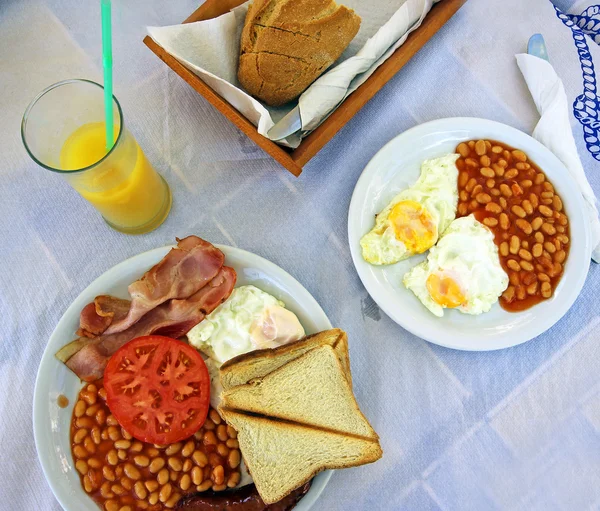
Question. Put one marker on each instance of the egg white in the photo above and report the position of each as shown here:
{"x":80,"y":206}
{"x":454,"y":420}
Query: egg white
{"x":436,"y":191}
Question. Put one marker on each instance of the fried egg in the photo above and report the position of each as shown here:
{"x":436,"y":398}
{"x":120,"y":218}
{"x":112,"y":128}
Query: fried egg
{"x":412,"y":222}
{"x":248,"y":320}
{"x":461,"y":272}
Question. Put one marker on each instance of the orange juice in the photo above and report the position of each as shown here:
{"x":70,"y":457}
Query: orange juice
{"x":123,"y":186}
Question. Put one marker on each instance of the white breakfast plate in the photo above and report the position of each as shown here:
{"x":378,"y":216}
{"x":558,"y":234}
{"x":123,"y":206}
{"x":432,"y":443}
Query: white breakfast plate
{"x":51,"y":423}
{"x":395,"y":167}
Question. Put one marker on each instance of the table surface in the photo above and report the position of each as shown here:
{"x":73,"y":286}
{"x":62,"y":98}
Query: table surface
{"x":513,"y":429}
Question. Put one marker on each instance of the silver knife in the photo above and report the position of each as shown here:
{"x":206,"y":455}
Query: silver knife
{"x":286,"y":126}
{"x":537,"y":47}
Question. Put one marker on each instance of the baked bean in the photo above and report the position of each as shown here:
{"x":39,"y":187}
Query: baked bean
{"x":101,"y":417}
{"x":234,"y":458}
{"x":84,"y":422}
{"x":175,"y":464}
{"x":495,"y":192}
{"x":505,"y":190}
{"x":185,"y":482}
{"x":521,"y":293}
{"x":546,"y":290}
{"x":214,"y":459}
{"x":470,"y":185}
{"x":94,"y":463}
{"x":196,"y":475}
{"x":548,"y":229}
{"x":234,"y":480}
{"x":209,"y":425}
{"x":560,"y":257}
{"x":137,"y":446}
{"x":490,"y":221}
{"x":122,"y":444}
{"x":537,"y":250}
{"x":533,"y":198}
{"x":153,"y":498}
{"x":525,"y":254}
{"x":463,"y":196}
{"x":126,"y":483}
{"x":483,"y":198}
{"x":470,"y":162}
{"x":480,"y":148}
{"x":125,"y":508}
{"x":111,"y":421}
{"x":519,"y":211}
{"x":122,"y":454}
{"x":527,"y":207}
{"x":515,"y":244}
{"x":498,"y":170}
{"x":504,"y":249}
{"x":80,"y":435}
{"x":223,"y":450}
{"x":525,"y":244}
{"x":550,"y":247}
{"x":105,"y":490}
{"x":490,"y":183}
{"x":89,"y":397}
{"x":487,"y":172}
{"x":522,"y":166}
{"x":557,"y":203}
{"x":132,"y":472}
{"x":477,"y":190}
{"x":526,"y":183}
{"x":529,"y":278}
{"x":79,"y":408}
{"x":117,"y":489}
{"x":218,"y":475}
{"x":492,"y":207}
{"x":536,"y":223}
{"x":111,"y":505}
{"x":532,"y":288}
{"x":519,"y":155}
{"x":172,"y":502}
{"x":496,"y":149}
{"x":511,"y":173}
{"x":165,"y":492}
{"x":140,"y":490}
{"x":542,"y":277}
{"x":546,"y":211}
{"x":507,"y":155}
{"x":462,"y":209}
{"x":80,"y":452}
{"x":485,"y":161}
{"x":156,"y":464}
{"x":163,"y":476}
{"x":524,"y":225}
{"x":95,"y":435}
{"x":173,"y":449}
{"x":463,"y":150}
{"x":102,"y":394}
{"x":503,"y":203}
{"x":81,"y":466}
{"x":209,"y":438}
{"x":526,"y":265}
{"x":514,"y":278}
{"x":200,"y":458}
{"x":503,"y":163}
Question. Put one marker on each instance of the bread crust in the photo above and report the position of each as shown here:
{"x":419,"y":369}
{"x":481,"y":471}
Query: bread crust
{"x":287,"y":44}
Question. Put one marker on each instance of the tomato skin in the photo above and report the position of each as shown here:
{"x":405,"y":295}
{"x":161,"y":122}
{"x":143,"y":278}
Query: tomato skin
{"x":158,"y":389}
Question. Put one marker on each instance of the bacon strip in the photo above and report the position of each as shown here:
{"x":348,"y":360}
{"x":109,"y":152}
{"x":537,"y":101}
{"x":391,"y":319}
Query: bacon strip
{"x":174,"y":318}
{"x":97,"y":316}
{"x":182,"y":272}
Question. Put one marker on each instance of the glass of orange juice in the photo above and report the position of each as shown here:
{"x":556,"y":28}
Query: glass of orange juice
{"x":63,"y":130}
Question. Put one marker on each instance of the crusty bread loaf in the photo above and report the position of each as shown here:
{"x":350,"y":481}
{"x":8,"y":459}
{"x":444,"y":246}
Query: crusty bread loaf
{"x":243,"y":368}
{"x":312,"y":390}
{"x":287,"y":44}
{"x":282,"y":456}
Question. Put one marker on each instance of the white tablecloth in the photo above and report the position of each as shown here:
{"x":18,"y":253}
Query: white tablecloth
{"x":514,"y":429}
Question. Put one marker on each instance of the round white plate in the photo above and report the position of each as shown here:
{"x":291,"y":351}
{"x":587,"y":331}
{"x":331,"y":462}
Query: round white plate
{"x":395,"y":167}
{"x":51,"y":423}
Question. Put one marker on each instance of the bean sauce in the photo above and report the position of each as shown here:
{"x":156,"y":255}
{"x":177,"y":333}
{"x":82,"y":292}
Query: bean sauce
{"x":123,"y":474}
{"x":511,"y":195}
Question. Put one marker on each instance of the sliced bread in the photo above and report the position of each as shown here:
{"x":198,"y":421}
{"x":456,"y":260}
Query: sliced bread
{"x":311,"y":389}
{"x":240,"y":370}
{"x":282,"y":456}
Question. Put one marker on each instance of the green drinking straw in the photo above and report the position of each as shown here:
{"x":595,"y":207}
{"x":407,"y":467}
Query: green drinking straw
{"x":107,"y":64}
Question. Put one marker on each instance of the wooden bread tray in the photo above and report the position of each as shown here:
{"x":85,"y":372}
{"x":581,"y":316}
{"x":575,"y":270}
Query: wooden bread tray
{"x":294,"y":159}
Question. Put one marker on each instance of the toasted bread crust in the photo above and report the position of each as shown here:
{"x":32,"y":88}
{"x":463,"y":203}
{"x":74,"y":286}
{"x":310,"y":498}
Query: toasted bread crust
{"x":287,"y":44}
{"x":335,"y":337}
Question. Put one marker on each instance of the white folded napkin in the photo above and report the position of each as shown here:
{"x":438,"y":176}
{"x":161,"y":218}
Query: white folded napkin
{"x":554,"y":131}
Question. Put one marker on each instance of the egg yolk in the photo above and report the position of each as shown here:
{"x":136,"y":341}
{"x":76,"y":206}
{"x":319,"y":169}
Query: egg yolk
{"x":414,"y":226}
{"x":445,"y":291}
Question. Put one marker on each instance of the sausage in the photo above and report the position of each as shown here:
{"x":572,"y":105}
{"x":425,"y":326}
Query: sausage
{"x":244,"y":499}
